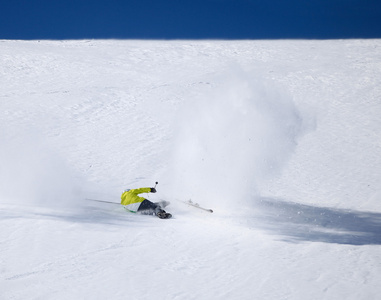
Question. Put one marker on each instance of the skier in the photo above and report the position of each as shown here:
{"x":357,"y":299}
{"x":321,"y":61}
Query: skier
{"x":134,"y":203}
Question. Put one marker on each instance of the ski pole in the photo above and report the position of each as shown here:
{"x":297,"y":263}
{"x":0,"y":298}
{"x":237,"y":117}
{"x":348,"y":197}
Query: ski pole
{"x":156,"y":183}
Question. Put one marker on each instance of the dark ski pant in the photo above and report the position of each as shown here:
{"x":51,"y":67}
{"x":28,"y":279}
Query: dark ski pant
{"x":149,"y":208}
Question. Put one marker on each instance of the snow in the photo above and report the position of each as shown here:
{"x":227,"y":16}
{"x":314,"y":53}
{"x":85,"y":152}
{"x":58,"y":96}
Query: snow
{"x":280,"y":138}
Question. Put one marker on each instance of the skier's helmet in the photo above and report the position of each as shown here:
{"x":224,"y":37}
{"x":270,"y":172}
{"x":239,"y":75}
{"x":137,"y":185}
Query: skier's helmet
{"x":126,"y":190}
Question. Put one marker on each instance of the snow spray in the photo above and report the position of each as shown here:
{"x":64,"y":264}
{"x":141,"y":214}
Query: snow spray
{"x":231,"y":140}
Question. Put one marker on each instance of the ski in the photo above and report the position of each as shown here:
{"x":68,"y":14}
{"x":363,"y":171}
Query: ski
{"x":191,"y":203}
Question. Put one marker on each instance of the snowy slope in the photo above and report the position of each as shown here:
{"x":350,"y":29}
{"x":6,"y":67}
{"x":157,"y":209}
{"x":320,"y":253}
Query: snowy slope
{"x":281,"y":138}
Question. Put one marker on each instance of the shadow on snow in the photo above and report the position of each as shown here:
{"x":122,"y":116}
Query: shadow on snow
{"x":299,"y":222}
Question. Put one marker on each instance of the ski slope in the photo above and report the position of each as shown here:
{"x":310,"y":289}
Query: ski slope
{"x":282,"y":139}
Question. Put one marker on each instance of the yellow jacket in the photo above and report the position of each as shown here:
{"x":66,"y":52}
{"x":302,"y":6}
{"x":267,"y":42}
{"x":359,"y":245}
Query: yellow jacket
{"x":131,"y":199}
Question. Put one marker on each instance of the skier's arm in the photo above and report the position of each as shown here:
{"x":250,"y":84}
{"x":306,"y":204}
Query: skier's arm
{"x":141,"y":190}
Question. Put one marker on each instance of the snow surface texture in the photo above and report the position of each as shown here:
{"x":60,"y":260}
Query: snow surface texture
{"x":281,"y":138}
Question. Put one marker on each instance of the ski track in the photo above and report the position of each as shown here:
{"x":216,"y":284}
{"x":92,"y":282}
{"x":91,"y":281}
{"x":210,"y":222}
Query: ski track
{"x":86,"y":119}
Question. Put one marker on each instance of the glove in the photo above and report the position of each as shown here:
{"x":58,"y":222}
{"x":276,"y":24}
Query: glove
{"x":153,"y":190}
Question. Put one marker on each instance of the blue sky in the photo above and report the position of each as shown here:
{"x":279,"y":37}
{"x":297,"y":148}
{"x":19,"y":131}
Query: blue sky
{"x":189,"y":19}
